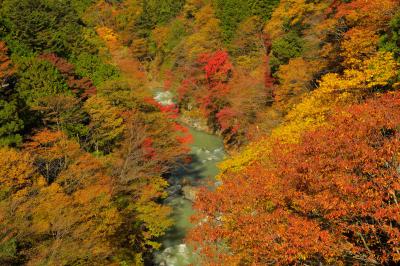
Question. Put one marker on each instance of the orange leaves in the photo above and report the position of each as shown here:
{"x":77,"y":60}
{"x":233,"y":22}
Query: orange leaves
{"x":150,"y":152}
{"x":52,"y":144}
{"x":5,"y":64}
{"x":359,"y":44}
{"x":244,"y":214}
{"x":16,"y":169}
{"x":122,"y":56}
{"x":294,"y":80}
{"x":184,"y":136}
{"x":52,"y":152}
{"x":369,"y":13}
{"x":345,"y":172}
{"x":73,"y":206}
{"x":108,"y":35}
{"x":331,"y":198}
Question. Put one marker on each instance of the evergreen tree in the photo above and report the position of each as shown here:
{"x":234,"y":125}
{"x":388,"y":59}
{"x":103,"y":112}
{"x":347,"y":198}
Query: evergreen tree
{"x":10,"y":122}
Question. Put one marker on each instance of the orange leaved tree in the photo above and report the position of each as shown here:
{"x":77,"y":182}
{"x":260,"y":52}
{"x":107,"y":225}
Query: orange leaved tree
{"x":332,"y":198}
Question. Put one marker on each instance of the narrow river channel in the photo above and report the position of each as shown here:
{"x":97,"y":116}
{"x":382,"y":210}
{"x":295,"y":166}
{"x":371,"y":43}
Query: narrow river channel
{"x":206,"y":151}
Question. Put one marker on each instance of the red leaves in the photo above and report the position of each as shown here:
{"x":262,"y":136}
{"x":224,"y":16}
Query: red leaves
{"x":147,"y":145}
{"x":226,"y":119}
{"x":170,"y":110}
{"x":217,"y":69}
{"x":185,"y":137}
{"x":184,"y":88}
{"x":83,"y":87}
{"x":169,"y":77}
{"x":217,"y":65}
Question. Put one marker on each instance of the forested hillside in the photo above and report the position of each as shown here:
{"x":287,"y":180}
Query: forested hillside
{"x":304,"y":94}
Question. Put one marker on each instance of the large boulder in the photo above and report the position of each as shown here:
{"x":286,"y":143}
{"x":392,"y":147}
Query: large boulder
{"x":189,"y":192}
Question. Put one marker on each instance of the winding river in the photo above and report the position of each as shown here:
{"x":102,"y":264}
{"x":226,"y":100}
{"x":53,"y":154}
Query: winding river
{"x":206,"y":151}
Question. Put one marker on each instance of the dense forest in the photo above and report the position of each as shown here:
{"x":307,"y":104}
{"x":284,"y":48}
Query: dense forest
{"x":304,"y":94}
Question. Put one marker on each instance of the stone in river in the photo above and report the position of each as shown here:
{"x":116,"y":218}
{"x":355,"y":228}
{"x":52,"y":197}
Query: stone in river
{"x":189,"y":192}
{"x":174,"y":190}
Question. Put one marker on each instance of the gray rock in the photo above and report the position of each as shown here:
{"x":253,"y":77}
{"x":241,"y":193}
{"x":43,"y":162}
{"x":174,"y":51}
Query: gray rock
{"x":174,"y":190}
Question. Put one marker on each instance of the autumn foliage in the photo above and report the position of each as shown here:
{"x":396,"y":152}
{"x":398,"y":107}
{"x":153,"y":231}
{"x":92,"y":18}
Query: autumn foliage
{"x":304,"y":95}
{"x":331,"y":198}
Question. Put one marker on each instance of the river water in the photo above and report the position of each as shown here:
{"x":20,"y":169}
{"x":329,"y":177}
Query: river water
{"x":206,"y":151}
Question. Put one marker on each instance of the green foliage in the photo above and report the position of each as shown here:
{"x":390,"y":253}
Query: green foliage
{"x":177,"y":32}
{"x":43,"y":25}
{"x":164,"y":39}
{"x":10,"y":122}
{"x":93,"y":67}
{"x":81,"y":5}
{"x":38,"y":79}
{"x":155,"y":12}
{"x":64,"y":112}
{"x":8,"y":251}
{"x":233,"y":12}
{"x":283,"y":49}
{"x":391,"y":40}
{"x":124,"y":95}
{"x":19,"y":49}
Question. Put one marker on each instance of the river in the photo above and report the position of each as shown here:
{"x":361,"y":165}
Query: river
{"x":206,"y":151}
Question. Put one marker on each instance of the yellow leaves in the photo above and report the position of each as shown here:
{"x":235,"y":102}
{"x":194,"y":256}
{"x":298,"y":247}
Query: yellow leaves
{"x":16,"y":169}
{"x":293,"y":12}
{"x":48,"y":209}
{"x":108,"y":223}
{"x":106,"y":125}
{"x":247,"y":62}
{"x":310,"y":113}
{"x":207,"y":35}
{"x":153,"y":215}
{"x":380,"y":69}
{"x":255,"y":151}
{"x":41,"y":181}
{"x":204,"y":16}
{"x":160,"y":35}
{"x":377,"y":70}
{"x":154,"y":190}
{"x":41,"y":226}
{"x":359,"y":44}
{"x":107,"y":34}
{"x":337,"y":90}
{"x":294,"y":81}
